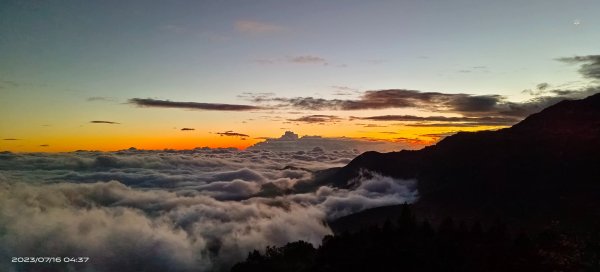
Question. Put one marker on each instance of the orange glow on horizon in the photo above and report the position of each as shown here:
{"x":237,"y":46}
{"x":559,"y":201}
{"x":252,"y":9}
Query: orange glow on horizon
{"x":68,"y":144}
{"x":414,"y":137}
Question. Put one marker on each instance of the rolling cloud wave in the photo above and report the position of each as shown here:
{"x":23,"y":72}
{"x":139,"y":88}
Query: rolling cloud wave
{"x":195,"y":210}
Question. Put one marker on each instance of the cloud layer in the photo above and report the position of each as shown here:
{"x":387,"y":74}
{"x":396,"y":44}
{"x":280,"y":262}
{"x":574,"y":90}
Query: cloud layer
{"x":467,"y":105}
{"x":195,"y":210}
{"x":473,"y":110}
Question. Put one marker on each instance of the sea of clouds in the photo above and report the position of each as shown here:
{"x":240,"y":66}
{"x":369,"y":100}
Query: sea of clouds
{"x":194,"y":210}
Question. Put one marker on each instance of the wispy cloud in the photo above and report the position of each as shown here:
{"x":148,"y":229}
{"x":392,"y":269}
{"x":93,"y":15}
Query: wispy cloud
{"x":147,"y":102}
{"x":543,"y":86}
{"x":307,"y":59}
{"x":256,"y":27}
{"x":480,"y":69}
{"x":443,"y":121}
{"x":256,"y":97}
{"x":265,"y":61}
{"x":317,"y":119}
{"x":11,"y":139}
{"x":104,"y":122}
{"x":9,"y":83}
{"x":187,"y":129}
{"x":413,"y":141}
{"x":372,"y":125}
{"x":100,"y":98}
{"x":296,"y":59}
{"x":374,"y":61}
{"x":590,"y":65}
{"x":438,"y":135}
{"x":344,"y":90}
{"x":232,"y":134}
{"x":178,"y":29}
{"x":492,"y":120}
{"x":540,"y":89}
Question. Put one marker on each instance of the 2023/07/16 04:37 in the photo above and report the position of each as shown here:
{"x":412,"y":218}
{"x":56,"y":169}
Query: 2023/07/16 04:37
{"x":50,"y":259}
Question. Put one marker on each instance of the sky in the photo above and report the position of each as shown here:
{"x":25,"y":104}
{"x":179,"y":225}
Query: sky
{"x":108,"y":75}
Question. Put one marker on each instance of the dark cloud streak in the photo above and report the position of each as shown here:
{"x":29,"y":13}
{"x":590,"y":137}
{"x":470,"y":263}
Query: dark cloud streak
{"x":400,"y":98}
{"x":104,"y":122}
{"x":451,"y":124}
{"x":232,"y":134}
{"x":494,"y":120}
{"x":467,"y":105}
{"x":147,"y":102}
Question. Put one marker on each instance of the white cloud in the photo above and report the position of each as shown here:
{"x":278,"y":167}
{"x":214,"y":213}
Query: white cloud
{"x":194,"y":210}
{"x":292,"y":142}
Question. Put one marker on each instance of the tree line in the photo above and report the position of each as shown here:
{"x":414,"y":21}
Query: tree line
{"x":408,"y":245}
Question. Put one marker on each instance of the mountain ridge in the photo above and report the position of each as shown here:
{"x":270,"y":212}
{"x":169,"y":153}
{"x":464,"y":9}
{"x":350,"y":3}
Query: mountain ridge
{"x":541,"y":170}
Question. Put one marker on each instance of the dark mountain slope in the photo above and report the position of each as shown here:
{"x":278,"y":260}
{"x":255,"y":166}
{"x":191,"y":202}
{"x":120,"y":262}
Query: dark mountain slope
{"x":543,"y":169}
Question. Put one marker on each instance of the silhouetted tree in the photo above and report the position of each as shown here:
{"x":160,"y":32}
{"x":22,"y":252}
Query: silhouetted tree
{"x":408,"y":247}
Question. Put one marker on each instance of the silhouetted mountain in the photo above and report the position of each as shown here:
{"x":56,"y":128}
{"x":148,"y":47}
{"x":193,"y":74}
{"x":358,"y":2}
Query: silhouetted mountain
{"x":527,"y":199}
{"x":545,"y":169}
